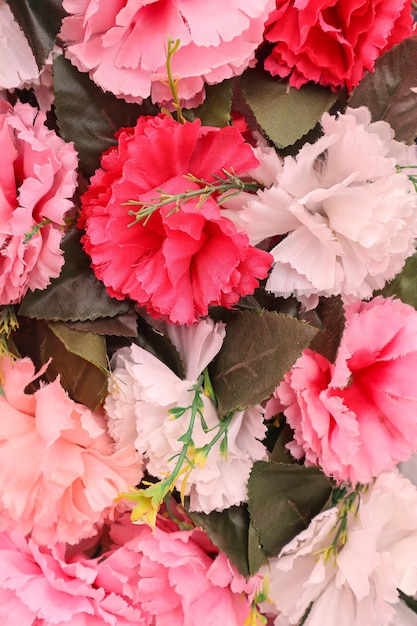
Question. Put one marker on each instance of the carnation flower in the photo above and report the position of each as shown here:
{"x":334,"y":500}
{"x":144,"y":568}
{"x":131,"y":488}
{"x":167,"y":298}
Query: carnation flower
{"x":357,"y":417}
{"x":37,"y":180}
{"x":123,"y":45}
{"x":18,"y":65}
{"x":359,"y":584}
{"x":342,"y":202}
{"x":182,"y":258}
{"x":59,"y":471}
{"x":333,"y":42}
{"x":143,"y":393}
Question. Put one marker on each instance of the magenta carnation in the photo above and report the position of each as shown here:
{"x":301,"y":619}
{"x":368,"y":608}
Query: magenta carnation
{"x":356,"y":418}
{"x":123,"y":43}
{"x":333,"y":42}
{"x":37,"y":181}
{"x":180,"y":260}
{"x":59,"y":474}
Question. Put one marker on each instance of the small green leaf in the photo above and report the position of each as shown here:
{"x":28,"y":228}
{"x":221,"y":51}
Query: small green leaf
{"x":283,"y":499}
{"x":88,"y":116}
{"x":215,"y":110}
{"x":331,"y":316}
{"x":404,"y":285}
{"x":387,"y":91}
{"x":76,"y":295}
{"x":40,"y":22}
{"x":259,"y":348}
{"x":284,"y":113}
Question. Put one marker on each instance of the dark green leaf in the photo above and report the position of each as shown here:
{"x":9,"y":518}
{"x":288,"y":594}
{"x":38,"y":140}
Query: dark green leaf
{"x":283,"y":499}
{"x":160,"y":346}
{"x":75,"y":296}
{"x":88,"y":116}
{"x":229,"y":531}
{"x":331,"y":316}
{"x":259,"y":348}
{"x":409,"y":600}
{"x":256,"y":555}
{"x":40,"y":22}
{"x":124,"y":325}
{"x":387,"y":92}
{"x":285,"y":114}
{"x":215,"y":110}
{"x":404,"y":285}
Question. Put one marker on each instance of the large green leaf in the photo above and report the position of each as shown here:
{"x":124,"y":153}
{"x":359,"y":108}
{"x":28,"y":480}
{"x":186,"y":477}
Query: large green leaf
{"x":40,"y":22}
{"x":259,"y":348}
{"x":285,"y":114}
{"x":283,"y":499}
{"x":88,"y":116}
{"x":387,"y":92}
{"x":75,"y":296}
{"x":215,"y":110}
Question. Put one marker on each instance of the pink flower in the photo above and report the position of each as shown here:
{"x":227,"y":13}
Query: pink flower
{"x":18,"y":64}
{"x":37,"y":180}
{"x":123,"y":44}
{"x":357,"y":417}
{"x":59,"y":472}
{"x":180,"y":260}
{"x":359,"y":584}
{"x":333,"y":42}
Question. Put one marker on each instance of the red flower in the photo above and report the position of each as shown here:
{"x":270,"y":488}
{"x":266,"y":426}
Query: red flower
{"x":333,"y":42}
{"x":180,"y":260}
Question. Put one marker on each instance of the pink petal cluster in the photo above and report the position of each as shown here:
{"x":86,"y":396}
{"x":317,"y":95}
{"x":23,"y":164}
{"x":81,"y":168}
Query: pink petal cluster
{"x":180,"y":260}
{"x":162,"y":578}
{"x":37,"y":181}
{"x":18,"y":65}
{"x":341,"y":201}
{"x":142,"y":392}
{"x":360,"y":584}
{"x":59,"y":471}
{"x":357,"y":417}
{"x":123,"y":44}
{"x":333,"y":42}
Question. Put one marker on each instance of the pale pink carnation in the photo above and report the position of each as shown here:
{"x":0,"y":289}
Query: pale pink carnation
{"x":37,"y":181}
{"x":123,"y":44}
{"x":18,"y":65}
{"x":360,"y":584}
{"x":342,"y":202}
{"x":142,"y":392}
{"x":59,"y":470}
{"x":357,"y":417}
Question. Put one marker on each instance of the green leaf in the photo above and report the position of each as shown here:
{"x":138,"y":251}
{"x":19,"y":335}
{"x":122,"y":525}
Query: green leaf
{"x":40,"y":22}
{"x":285,"y":114}
{"x":229,"y":531}
{"x":331,"y":317}
{"x":80,"y":359}
{"x":259,"y":348}
{"x":76,"y":295}
{"x":387,"y":92}
{"x":404,"y":285}
{"x":124,"y":325}
{"x":215,"y":110}
{"x":283,"y":499}
{"x":88,"y":116}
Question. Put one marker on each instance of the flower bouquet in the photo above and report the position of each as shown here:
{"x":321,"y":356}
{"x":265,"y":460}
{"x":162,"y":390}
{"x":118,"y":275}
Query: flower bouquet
{"x":208,"y":325}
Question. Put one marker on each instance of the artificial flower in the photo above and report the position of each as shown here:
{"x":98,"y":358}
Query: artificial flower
{"x":333,"y":42}
{"x":344,"y":201}
{"x":144,"y":394}
{"x":18,"y":65}
{"x":181,"y":258}
{"x":123,"y":47}
{"x":357,"y":417}
{"x":358,"y":584}
{"x":37,"y":181}
{"x":68,"y":472}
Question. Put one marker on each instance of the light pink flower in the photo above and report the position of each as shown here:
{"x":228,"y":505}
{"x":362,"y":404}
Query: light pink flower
{"x":59,"y":471}
{"x":342,"y":202}
{"x":142,"y":392}
{"x":37,"y":181}
{"x":18,"y":64}
{"x":357,"y":417}
{"x":123,"y":44}
{"x":360,"y":584}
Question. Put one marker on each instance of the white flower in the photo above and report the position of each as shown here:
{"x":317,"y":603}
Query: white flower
{"x":358,"y":587}
{"x":143,"y":390}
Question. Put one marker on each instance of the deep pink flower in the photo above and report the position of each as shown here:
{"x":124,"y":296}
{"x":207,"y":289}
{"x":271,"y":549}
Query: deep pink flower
{"x":59,"y":473}
{"x":37,"y":181}
{"x":123,"y":43}
{"x":178,"y":262}
{"x":333,"y":42}
{"x":357,"y":417}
